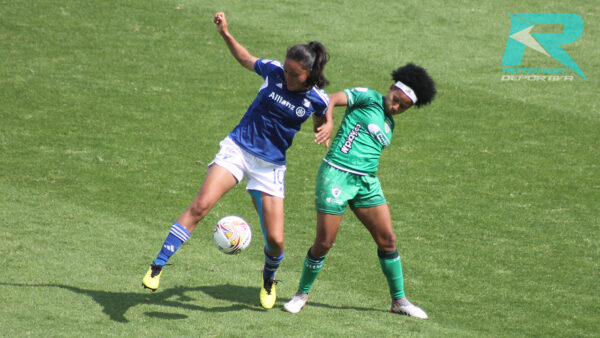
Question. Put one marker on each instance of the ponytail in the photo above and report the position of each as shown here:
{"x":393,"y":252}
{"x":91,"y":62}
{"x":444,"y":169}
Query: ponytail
{"x":321,"y":58}
{"x":314,"y":57}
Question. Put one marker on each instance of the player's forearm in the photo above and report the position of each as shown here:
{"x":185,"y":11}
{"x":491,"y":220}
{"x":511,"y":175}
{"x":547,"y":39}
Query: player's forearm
{"x":321,"y":120}
{"x":239,"y":52}
{"x":317,"y":122}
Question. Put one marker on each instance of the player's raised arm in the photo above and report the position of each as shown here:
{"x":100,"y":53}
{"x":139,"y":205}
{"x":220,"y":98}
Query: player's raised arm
{"x":238,"y":51}
{"x":323,"y":126}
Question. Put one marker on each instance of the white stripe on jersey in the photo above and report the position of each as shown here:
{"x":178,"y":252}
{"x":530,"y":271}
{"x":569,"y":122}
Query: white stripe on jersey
{"x":344,"y":169}
{"x":323,"y":96}
{"x":274,"y":62}
{"x":349,"y":95}
{"x":265,"y":84}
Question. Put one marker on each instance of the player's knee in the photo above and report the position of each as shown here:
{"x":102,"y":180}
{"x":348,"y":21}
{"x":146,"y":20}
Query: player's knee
{"x":276,"y":243}
{"x":199,"y":209}
{"x":322,"y":247}
{"x":387,"y":242}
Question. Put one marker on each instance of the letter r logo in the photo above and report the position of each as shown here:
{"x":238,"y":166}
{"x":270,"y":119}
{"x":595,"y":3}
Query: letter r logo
{"x":548,"y":44}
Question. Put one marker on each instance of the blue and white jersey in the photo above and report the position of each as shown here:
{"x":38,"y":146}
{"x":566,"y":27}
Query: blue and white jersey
{"x":268,"y":127}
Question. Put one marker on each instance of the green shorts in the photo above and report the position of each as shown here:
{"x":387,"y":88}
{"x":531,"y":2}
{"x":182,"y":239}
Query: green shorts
{"x":336,"y":188}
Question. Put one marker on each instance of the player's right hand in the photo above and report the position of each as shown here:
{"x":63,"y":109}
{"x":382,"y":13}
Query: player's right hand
{"x":221,"y":22}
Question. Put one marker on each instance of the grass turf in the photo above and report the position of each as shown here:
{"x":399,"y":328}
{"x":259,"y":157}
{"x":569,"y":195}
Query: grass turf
{"x":111,"y":110}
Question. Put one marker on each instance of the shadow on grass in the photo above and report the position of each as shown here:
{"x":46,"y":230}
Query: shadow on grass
{"x":116,"y":304}
{"x":250,"y":296}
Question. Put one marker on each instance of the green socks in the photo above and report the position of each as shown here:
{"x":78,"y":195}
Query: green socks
{"x":310,"y":271}
{"x":392,"y":269}
{"x":390,"y":265}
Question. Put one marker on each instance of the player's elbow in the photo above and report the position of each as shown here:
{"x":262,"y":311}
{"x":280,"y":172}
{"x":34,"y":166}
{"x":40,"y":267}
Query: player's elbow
{"x":247,"y":61}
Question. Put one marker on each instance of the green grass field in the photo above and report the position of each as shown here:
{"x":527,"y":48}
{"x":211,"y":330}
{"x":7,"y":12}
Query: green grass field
{"x":110,"y":111}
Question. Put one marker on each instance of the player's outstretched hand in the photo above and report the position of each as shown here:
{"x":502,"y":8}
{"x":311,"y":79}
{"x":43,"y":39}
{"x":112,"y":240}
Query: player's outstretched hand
{"x":221,"y":22}
{"x":324,"y":133}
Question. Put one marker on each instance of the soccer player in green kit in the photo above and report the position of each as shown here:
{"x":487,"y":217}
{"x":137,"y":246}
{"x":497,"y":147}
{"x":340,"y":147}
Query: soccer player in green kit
{"x":347,"y":176}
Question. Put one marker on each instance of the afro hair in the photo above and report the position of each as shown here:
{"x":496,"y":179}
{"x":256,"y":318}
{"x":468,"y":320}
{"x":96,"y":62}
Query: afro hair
{"x":416,"y":78}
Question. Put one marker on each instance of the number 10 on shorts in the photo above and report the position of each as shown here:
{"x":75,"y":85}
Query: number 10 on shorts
{"x":278,"y":175}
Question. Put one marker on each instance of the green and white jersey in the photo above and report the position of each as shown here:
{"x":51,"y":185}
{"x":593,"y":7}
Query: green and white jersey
{"x":364,"y":132}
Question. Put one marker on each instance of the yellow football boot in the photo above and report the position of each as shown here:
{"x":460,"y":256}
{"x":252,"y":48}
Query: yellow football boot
{"x":268,"y":294}
{"x":152,"y":278}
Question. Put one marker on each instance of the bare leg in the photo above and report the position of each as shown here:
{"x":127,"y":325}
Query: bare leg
{"x":272,"y":214}
{"x":218,"y":181}
{"x":379,"y":223}
{"x":270,"y":211}
{"x":327,"y":229}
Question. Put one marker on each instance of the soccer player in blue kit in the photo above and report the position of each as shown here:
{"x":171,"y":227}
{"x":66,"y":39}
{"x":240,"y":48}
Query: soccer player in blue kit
{"x":256,"y":150}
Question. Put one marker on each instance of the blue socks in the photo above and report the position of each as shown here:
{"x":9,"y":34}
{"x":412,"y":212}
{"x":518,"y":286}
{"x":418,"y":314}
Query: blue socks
{"x":271,"y":265}
{"x":177,"y":236}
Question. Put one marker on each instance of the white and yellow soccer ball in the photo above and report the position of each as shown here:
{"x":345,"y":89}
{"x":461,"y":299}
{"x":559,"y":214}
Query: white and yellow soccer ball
{"x":232,"y":235}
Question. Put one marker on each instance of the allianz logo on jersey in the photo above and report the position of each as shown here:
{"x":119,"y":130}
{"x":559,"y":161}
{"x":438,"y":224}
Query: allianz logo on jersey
{"x":300,"y":111}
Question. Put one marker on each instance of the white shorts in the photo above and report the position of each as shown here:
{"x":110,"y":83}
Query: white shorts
{"x":260,"y":174}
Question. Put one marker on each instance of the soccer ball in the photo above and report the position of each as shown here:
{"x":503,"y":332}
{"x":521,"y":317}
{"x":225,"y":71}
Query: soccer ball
{"x":232,"y":235}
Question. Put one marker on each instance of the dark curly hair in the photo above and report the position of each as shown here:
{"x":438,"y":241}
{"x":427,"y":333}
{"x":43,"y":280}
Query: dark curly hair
{"x":416,"y":78}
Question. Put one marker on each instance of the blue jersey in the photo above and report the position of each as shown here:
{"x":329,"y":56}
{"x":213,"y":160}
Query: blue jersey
{"x":268,"y":127}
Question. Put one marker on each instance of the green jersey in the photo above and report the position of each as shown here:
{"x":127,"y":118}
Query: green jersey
{"x":364,"y":132}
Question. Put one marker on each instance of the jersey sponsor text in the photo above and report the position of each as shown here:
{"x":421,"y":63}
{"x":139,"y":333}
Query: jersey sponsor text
{"x":348,"y":144}
{"x":279,"y":99}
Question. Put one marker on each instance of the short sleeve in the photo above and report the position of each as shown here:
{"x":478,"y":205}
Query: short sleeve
{"x":358,"y":97}
{"x":264,"y":67}
{"x":321,"y":103}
